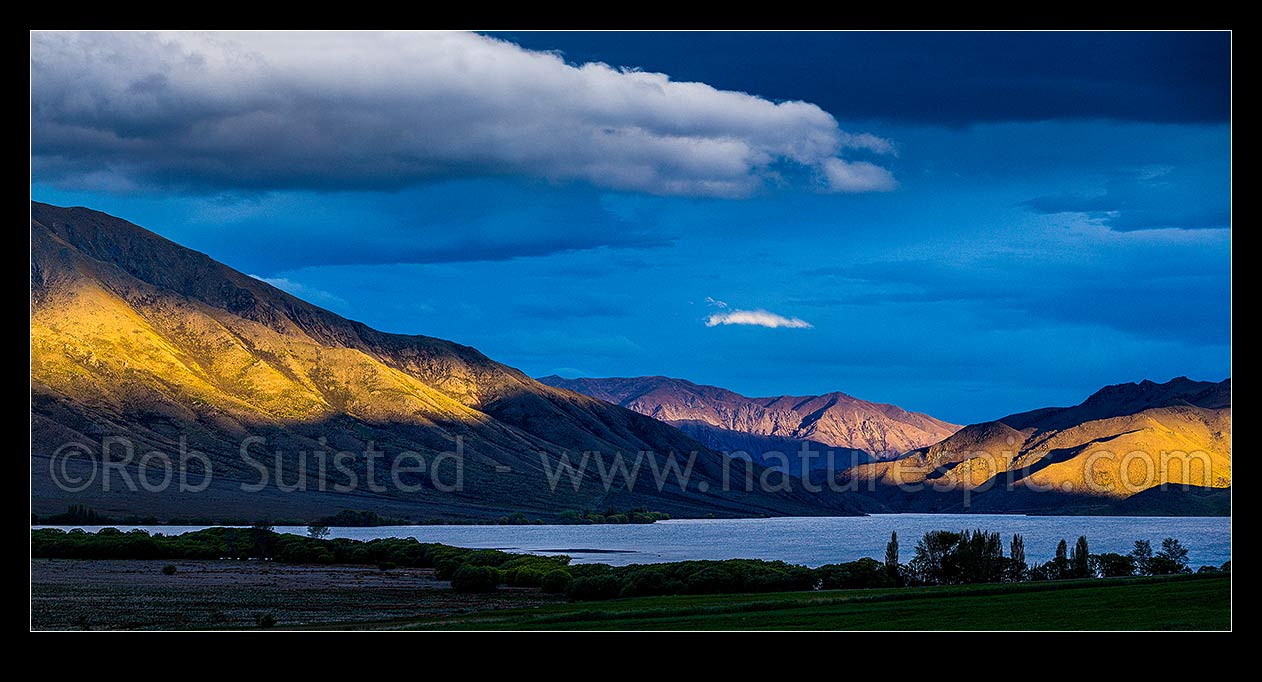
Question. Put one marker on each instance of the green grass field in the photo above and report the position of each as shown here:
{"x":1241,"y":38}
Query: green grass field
{"x":1171,"y":603}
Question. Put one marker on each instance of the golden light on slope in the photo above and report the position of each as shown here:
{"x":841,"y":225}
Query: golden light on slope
{"x":91,"y":345}
{"x":1115,"y":457}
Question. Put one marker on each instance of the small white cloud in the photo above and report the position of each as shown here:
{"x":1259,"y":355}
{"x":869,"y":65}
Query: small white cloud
{"x":306,"y":293}
{"x":715,"y":302}
{"x":856,"y":176}
{"x":868,"y":142}
{"x":757,"y":318}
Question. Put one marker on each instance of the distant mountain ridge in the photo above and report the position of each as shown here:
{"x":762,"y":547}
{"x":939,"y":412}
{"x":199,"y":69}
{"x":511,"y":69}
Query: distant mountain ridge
{"x":1122,"y":399}
{"x":725,"y":419}
{"x":134,"y":335}
{"x":1111,"y":453}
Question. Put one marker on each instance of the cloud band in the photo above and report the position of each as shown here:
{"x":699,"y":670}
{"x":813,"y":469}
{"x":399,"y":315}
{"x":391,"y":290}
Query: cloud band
{"x":128,"y":111}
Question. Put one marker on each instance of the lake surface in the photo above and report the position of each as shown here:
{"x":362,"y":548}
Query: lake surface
{"x":811,"y":541}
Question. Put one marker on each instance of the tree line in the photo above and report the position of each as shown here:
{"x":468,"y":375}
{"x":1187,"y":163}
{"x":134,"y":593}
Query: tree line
{"x":951,"y":558}
{"x":939,"y":558}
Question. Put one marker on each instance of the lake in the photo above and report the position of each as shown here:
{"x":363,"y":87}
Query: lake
{"x":811,"y":541}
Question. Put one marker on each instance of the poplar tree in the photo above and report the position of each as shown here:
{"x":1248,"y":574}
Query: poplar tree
{"x":891,"y":557}
{"x":1016,"y":563}
{"x":1080,"y":562}
{"x":1061,"y":562}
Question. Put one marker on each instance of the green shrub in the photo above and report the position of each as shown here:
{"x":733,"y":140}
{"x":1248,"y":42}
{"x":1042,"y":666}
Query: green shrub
{"x":594,"y":588}
{"x":555,"y":581}
{"x":486,"y":557}
{"x":862,"y":574}
{"x":525,"y":576}
{"x":445,"y":568}
{"x":600,"y":581}
{"x":651,"y":582}
{"x":470,"y":578}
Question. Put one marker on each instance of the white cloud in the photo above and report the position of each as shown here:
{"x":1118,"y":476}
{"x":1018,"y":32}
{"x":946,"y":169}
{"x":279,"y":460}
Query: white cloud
{"x":715,"y":302}
{"x":868,"y":142}
{"x":856,"y":176}
{"x":306,"y":293}
{"x":384,"y":110}
{"x":757,"y":318}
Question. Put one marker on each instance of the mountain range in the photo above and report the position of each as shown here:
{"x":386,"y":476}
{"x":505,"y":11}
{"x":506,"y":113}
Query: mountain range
{"x":1112,"y":453}
{"x":135,"y":337}
{"x":728,"y":421}
{"x":1103,"y":456}
{"x":149,"y":358}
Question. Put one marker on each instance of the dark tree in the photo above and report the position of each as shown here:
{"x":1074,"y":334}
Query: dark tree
{"x":1017,"y":568}
{"x":934,"y":559}
{"x":1111,"y":565}
{"x":264,"y":538}
{"x":1060,"y":565}
{"x":1174,"y":551}
{"x":1080,"y":561}
{"x":891,"y":555}
{"x":1172,"y":558}
{"x":947,"y":558}
{"x":1142,"y":556}
{"x":981,"y":557}
{"x":1039,"y":572}
{"x":318,"y":531}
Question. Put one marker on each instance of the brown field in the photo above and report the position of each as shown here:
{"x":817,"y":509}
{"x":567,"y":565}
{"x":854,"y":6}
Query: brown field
{"x":120,"y":594}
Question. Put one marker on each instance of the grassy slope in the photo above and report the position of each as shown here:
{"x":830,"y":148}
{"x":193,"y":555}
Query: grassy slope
{"x":1178,"y":603}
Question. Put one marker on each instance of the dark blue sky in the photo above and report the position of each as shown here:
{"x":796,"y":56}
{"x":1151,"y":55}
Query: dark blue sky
{"x":967,"y":224}
{"x":939,"y":78}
